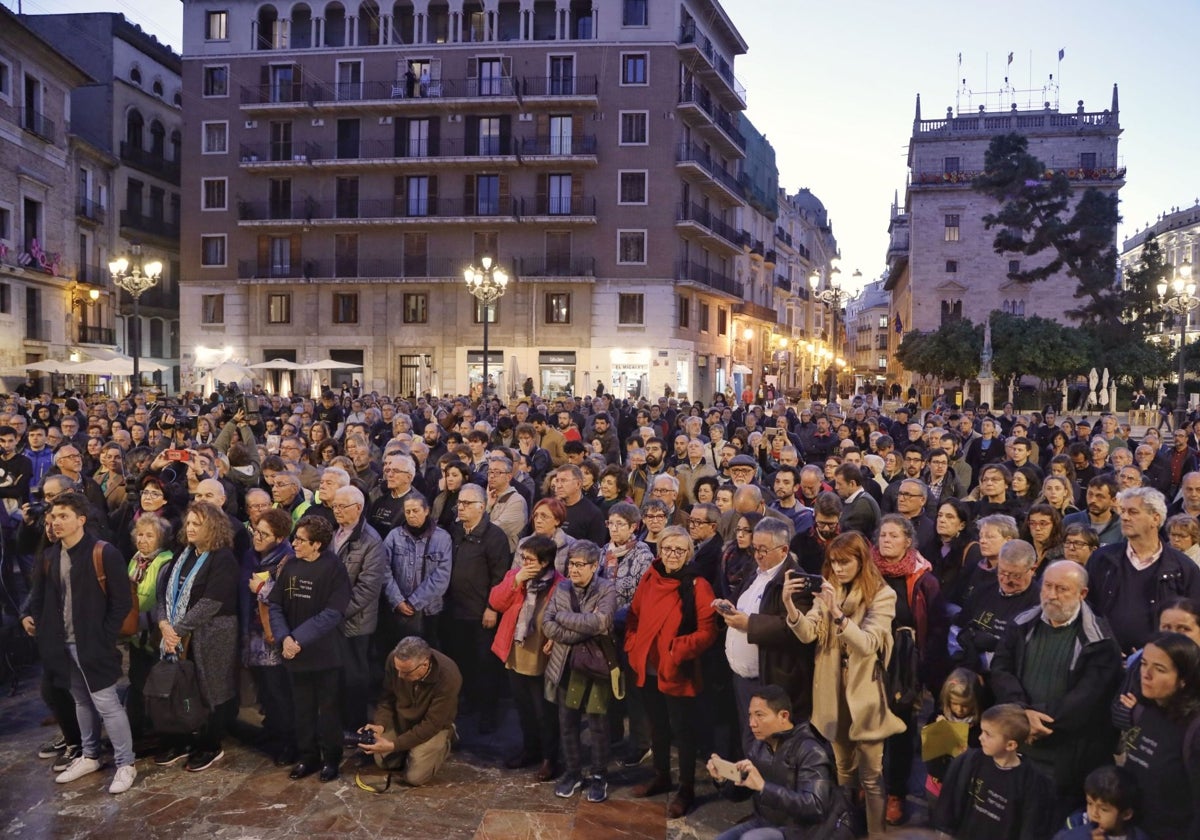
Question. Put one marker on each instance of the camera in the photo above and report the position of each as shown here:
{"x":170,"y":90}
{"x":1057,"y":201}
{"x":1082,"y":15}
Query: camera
{"x":248,"y":404}
{"x":812,"y":583}
{"x":361,"y":738}
{"x":177,"y":455}
{"x":37,"y":504}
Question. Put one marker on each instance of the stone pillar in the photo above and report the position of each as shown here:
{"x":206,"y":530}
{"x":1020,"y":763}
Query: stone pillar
{"x":1112,"y":396}
{"x":1063,"y":409}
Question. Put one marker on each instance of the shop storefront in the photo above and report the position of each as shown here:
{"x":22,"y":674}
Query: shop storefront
{"x":630,"y":376}
{"x":496,"y":371}
{"x":557,"y":373}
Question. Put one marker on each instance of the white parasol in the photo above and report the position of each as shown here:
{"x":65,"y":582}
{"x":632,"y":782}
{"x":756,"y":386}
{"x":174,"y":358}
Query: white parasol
{"x":1093,"y":381}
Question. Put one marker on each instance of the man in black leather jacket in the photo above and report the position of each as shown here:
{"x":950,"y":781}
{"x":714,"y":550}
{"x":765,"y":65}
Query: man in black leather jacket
{"x":790,"y":769}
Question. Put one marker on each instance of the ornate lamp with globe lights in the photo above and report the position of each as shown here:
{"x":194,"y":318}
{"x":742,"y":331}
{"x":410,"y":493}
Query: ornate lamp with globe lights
{"x":135,"y":277}
{"x":487,"y":284}
{"x":1179,"y":298}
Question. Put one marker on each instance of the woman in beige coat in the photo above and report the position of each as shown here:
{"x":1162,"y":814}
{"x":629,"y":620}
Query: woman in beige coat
{"x":851,"y":623}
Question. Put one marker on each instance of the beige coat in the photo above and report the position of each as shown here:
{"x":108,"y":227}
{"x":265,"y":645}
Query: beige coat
{"x":866,"y":632}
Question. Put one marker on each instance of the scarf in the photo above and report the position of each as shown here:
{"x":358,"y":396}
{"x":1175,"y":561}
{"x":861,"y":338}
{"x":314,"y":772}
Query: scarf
{"x":143,"y":562}
{"x":179,"y":596}
{"x":418,"y":533}
{"x":910,"y":563}
{"x":686,"y":576}
{"x":613,"y":554}
{"x":534,"y":589}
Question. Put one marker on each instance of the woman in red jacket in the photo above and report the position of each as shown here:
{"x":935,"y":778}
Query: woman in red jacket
{"x":671,"y":622}
{"x":521,"y":645}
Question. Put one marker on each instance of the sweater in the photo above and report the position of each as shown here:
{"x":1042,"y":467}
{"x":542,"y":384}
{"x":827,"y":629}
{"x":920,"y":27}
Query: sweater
{"x":307,"y":603}
{"x":982,"y":801}
{"x":412,"y":712}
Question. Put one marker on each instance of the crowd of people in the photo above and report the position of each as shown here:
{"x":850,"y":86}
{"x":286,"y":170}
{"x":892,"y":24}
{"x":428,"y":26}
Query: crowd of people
{"x":817,"y":607}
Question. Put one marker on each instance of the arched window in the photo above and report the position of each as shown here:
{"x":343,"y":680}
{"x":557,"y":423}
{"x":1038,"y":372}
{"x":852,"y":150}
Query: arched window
{"x":158,"y":138}
{"x":133,"y":129}
{"x":135,"y":75}
{"x":178,"y":99}
{"x":301,"y":27}
{"x":176,"y":144}
{"x":268,"y":29}
{"x":951,"y":310}
{"x":368,"y":24}
{"x":335,"y":25}
{"x":157,"y":87}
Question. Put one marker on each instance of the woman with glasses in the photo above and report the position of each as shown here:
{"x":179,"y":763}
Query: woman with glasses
{"x":1079,"y":541}
{"x":261,"y":653}
{"x":521,"y":644}
{"x":310,"y":597}
{"x":1044,"y":530}
{"x":580,"y":609}
{"x":671,"y":622}
{"x":151,"y":536}
{"x":850,"y":623}
{"x":655,"y":515}
{"x":737,"y":557}
{"x":154,"y":496}
{"x":197,"y":600}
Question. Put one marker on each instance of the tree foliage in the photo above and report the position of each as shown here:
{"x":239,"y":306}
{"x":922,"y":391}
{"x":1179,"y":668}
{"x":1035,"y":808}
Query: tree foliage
{"x":949,"y":352}
{"x":1036,"y":346}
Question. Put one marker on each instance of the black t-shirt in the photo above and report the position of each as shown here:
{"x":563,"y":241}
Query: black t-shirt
{"x":387,"y":511}
{"x":988,"y":612}
{"x":1154,"y":754}
{"x":586,"y":522}
{"x":331,"y":416}
{"x":992,"y":810}
{"x":303,"y":591}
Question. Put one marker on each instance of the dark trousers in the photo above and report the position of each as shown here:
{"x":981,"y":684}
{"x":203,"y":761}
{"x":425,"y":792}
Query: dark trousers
{"x":672,"y":721}
{"x":275,"y":696}
{"x":538,"y":717}
{"x":140,"y":663}
{"x":208,"y":737}
{"x":355,"y":676}
{"x":569,"y":724}
{"x":62,"y":705}
{"x":318,"y":725}
{"x":469,"y":645}
{"x":898,"y":758}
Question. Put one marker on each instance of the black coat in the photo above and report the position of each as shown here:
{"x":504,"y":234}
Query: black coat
{"x":481,"y":557}
{"x":96,"y":615}
{"x":1175,"y":575}
{"x":783,"y":660}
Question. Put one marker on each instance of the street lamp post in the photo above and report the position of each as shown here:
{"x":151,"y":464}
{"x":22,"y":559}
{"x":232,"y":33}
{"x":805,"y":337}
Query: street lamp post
{"x":135,"y":277}
{"x":487,"y":284}
{"x":831,"y":297}
{"x":1179,"y":298}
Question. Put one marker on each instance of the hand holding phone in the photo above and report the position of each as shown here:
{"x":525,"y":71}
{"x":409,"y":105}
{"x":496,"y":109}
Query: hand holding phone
{"x":724,"y":607}
{"x":725,"y":769}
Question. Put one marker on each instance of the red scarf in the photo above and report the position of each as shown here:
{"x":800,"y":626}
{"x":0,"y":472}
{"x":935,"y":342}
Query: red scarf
{"x":911,"y":562}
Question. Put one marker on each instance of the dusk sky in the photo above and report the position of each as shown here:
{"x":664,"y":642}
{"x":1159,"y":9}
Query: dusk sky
{"x":833,"y":86}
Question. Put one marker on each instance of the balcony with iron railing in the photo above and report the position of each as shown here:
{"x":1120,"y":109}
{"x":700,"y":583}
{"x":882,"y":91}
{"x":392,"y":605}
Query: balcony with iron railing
{"x":398,"y":268}
{"x":560,"y":265}
{"x":93,"y":275}
{"x":553,"y":88}
{"x":1101,"y":171}
{"x":154,"y":163}
{"x":557,"y":207}
{"x":689,"y":153}
{"x":693,"y":97}
{"x":756,"y":310}
{"x":689,"y":214}
{"x":558,"y":87}
{"x":92,"y":211}
{"x":37,"y":123}
{"x":689,"y":37}
{"x":1021,"y":122}
{"x":710,"y":277}
{"x":555,"y":147}
{"x":149,"y":225}
{"x":783,"y":283}
{"x":96,"y":335}
{"x":403,"y":207}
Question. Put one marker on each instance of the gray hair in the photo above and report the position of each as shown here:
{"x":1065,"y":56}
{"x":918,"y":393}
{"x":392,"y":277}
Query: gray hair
{"x":412,"y":648}
{"x":340,"y":475}
{"x":779,"y":531}
{"x":671,"y":480}
{"x":1018,"y":551}
{"x":351,"y":492}
{"x":585,"y":550}
{"x":1150,"y":497}
{"x":1004,"y":524}
{"x":627,"y":511}
{"x":160,"y":526}
{"x":918,"y":483}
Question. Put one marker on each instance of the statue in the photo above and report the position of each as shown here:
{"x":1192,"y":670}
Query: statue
{"x":986,"y":380}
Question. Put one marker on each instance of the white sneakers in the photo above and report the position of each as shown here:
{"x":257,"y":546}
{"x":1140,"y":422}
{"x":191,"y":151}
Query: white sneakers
{"x":77,"y":769}
{"x":83,"y":765}
{"x":123,"y":781}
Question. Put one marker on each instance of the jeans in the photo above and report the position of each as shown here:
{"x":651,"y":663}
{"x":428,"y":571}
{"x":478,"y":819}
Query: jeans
{"x":755,"y":828}
{"x":93,"y":706}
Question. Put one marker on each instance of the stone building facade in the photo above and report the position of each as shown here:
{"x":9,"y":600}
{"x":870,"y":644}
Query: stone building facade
{"x":1178,"y":235}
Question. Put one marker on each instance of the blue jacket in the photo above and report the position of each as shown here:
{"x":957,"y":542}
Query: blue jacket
{"x":1078,"y":828}
{"x":420,"y":568}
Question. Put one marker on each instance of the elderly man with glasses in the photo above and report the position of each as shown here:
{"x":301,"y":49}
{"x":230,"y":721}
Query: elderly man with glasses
{"x":68,"y":460}
{"x":387,"y":499}
{"x":481,"y":557}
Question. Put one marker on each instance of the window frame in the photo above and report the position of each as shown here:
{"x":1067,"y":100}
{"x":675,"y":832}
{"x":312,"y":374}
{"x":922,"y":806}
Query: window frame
{"x":217,"y":309}
{"x":622,"y":298}
{"x":621,"y":199}
{"x":211,"y":15}
{"x":204,"y":94}
{"x":705,"y":315}
{"x":621,"y":234}
{"x":204,"y":183}
{"x":492,"y":309}
{"x":421,"y":301}
{"x":6,"y":91}
{"x":340,"y":300}
{"x":625,"y":58}
{"x":553,"y":303}
{"x":632,"y":5}
{"x":952,"y":266}
{"x":683,"y":307}
{"x":224,"y":240}
{"x":645,"y":141}
{"x":952,"y":231}
{"x":204,"y":126}
{"x":283,"y":298}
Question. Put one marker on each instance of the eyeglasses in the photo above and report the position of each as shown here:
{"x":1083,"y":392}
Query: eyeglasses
{"x":263,"y":535}
{"x":673,"y":551}
{"x":699,"y":522}
{"x":337,"y":508}
{"x":761,"y":551}
{"x":654,"y":516}
{"x":152,"y":494}
{"x":911,"y":495}
{"x":301,"y":540}
{"x":579,"y":564}
{"x":405,"y":674}
{"x":1003,"y":575}
{"x":468,"y":502}
{"x":617,"y":523}
{"x":1076,"y":544}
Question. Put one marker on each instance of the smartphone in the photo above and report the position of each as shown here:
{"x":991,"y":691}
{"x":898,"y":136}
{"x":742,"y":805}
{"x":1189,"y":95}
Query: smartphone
{"x":178,"y":455}
{"x":811,"y":584}
{"x":724,"y":607}
{"x":273,"y":444}
{"x":771,"y":431}
{"x":728,"y":770}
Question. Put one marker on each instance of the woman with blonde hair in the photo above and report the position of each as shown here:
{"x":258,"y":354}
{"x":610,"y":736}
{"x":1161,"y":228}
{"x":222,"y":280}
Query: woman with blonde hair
{"x":851,"y":624}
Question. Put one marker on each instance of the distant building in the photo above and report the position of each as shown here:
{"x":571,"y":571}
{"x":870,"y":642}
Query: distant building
{"x":1178,"y":235}
{"x":132,"y":115}
{"x":868,"y":333}
{"x":941,"y":263}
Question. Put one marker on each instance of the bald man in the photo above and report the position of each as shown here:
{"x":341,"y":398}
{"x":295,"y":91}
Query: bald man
{"x":748,"y":499}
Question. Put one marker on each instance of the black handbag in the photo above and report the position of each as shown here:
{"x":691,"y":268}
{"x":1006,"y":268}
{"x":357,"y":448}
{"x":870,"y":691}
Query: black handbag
{"x":596,"y":658}
{"x":173,"y":697}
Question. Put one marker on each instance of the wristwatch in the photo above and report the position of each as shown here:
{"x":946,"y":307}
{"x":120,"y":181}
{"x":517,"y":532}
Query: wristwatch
{"x":840,"y":620}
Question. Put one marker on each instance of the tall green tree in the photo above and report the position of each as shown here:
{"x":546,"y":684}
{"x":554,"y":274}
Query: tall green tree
{"x":1036,"y":346}
{"x":949,"y":352}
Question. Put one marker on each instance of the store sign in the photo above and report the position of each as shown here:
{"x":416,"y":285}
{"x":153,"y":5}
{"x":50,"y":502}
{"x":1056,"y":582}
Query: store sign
{"x":475,"y":357}
{"x":545,"y":358}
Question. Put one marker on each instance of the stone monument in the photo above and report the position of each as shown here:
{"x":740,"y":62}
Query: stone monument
{"x":987,"y":382}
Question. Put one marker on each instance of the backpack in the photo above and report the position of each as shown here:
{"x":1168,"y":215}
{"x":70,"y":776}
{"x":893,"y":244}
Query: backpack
{"x":129,"y":625}
{"x":901,"y":677}
{"x":173,"y":697}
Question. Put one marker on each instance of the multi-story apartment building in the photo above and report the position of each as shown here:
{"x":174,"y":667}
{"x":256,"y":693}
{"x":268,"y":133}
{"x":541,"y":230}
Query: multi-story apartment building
{"x":1177,"y":233}
{"x":868,"y":334}
{"x":941,"y":263}
{"x":132,"y":113}
{"x":350,"y":160}
{"x":52,"y":205}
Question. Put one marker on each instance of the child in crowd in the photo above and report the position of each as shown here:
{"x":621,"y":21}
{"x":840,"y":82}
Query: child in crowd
{"x":990,"y":793}
{"x":960,"y":703}
{"x":1111,"y":807}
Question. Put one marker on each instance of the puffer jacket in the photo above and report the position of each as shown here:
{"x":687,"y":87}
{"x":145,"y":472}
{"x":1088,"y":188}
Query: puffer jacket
{"x":367,"y":566}
{"x":565,"y":627}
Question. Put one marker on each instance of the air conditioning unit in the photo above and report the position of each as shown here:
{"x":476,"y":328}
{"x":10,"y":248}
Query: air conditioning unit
{"x":318,"y":123}
{"x":525,"y":117}
{"x":385,"y":120}
{"x":251,"y":124}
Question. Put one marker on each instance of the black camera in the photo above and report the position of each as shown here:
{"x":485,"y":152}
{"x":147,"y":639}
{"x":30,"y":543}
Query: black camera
{"x":361,"y":738}
{"x":248,"y":404}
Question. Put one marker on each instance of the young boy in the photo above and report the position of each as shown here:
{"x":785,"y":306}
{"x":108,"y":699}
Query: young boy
{"x":990,"y":793}
{"x":1111,"y":798}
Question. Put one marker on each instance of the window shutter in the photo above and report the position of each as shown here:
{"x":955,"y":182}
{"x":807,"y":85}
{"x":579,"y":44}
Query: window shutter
{"x":432,"y":190}
{"x":294,"y":250}
{"x":577,"y":133}
{"x":577,"y":194}
{"x":435,"y":70}
{"x":505,"y":204}
{"x":264,"y":254}
{"x":506,"y":135}
{"x":469,"y":208}
{"x":543,"y":192}
{"x":435,"y":134}
{"x":506,"y":66}
{"x":297,"y":82}
{"x":471,"y":136}
{"x":401,"y":138}
{"x":543,"y":128}
{"x":398,"y":208}
{"x":472,"y":68}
